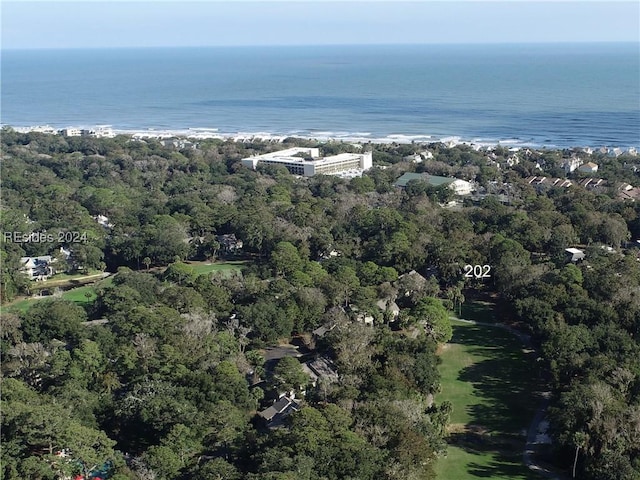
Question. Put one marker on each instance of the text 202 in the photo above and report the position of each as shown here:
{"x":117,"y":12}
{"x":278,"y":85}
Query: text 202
{"x":477,"y":271}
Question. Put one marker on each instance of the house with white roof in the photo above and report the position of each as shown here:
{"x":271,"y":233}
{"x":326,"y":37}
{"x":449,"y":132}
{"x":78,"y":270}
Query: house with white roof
{"x":574,"y":254}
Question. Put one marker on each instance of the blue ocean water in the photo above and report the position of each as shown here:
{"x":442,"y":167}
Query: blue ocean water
{"x":556,"y":95}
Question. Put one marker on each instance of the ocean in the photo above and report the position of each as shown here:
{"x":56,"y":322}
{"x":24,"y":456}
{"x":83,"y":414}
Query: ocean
{"x":560,"y":95}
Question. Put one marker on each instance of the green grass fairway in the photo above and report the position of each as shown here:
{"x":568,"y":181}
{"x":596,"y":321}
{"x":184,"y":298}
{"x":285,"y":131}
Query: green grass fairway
{"x":478,"y":310}
{"x":20,"y":306}
{"x":226,"y":268}
{"x":491,"y":384}
{"x":79,"y":295}
{"x":465,"y":463}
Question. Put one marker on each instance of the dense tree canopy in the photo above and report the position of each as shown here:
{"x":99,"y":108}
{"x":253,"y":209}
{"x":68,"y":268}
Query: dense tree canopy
{"x":167,"y":382}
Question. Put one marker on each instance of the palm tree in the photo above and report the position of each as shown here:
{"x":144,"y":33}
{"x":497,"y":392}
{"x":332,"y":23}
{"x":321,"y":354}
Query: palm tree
{"x":455,"y":296}
{"x":580,"y":440}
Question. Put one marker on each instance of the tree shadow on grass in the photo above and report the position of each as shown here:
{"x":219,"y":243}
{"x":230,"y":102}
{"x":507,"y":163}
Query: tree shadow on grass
{"x":502,"y":469}
{"x":505,"y":380}
{"x":479,"y":311}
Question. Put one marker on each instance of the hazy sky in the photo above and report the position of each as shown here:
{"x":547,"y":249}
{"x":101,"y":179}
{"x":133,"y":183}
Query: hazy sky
{"x":53,"y":24}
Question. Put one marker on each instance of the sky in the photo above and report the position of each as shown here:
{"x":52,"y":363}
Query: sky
{"x":156,"y":23}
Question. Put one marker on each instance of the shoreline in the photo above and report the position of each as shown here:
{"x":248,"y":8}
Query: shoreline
{"x":207,"y":133}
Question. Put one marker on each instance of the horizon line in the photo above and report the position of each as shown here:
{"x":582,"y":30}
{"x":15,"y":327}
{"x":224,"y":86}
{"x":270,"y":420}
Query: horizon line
{"x":280,"y":45}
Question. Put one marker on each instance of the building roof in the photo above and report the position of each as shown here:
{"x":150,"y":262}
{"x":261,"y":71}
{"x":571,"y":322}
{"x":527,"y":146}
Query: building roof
{"x":413,"y":274}
{"x":592,"y":182}
{"x":33,"y":261}
{"x":388,"y":303}
{"x":573,"y":250}
{"x":283,"y":406}
{"x":552,"y":182}
{"x":322,"y":367}
{"x":322,"y":330}
{"x":588,"y":166}
{"x":407,"y":177}
{"x":433,"y":180}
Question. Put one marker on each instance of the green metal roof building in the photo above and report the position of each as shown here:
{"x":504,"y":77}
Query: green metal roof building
{"x":460,"y":187}
{"x":433,"y":180}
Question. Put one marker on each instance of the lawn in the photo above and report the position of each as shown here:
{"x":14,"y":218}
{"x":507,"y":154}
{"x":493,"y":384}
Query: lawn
{"x":487,"y":376}
{"x":81,"y":295}
{"x":478,"y":310}
{"x":19,"y":306}
{"x":467,"y":463}
{"x":226,"y":268}
{"x":77,"y":295}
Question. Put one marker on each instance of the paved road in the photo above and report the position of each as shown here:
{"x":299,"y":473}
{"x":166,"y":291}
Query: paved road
{"x":532,"y":446}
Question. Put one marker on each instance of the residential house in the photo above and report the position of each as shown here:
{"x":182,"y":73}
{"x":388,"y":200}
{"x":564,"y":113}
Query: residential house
{"x":318,"y":333}
{"x":571,"y":164}
{"x":415,"y":158}
{"x":37,"y":268}
{"x":359,"y":316}
{"x":593,"y":183}
{"x":180,"y":143}
{"x":627,"y":191}
{"x":103,"y":220}
{"x":320,"y":368}
{"x":388,"y":305}
{"x":513,"y":160}
{"x":409,"y":283}
{"x":274,"y":415}
{"x":574,"y":254}
{"x":419,"y":157}
{"x":540,"y":183}
{"x":329,"y":254}
{"x":364,"y":318}
{"x":615,"y":152}
{"x":588,"y":167}
{"x":229,"y":243}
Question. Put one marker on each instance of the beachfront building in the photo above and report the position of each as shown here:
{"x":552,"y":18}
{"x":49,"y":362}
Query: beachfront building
{"x":96,"y":132}
{"x":70,"y":132}
{"x":307,"y":162}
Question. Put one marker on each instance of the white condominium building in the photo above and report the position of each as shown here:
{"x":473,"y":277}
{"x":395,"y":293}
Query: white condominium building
{"x":308,"y":162}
